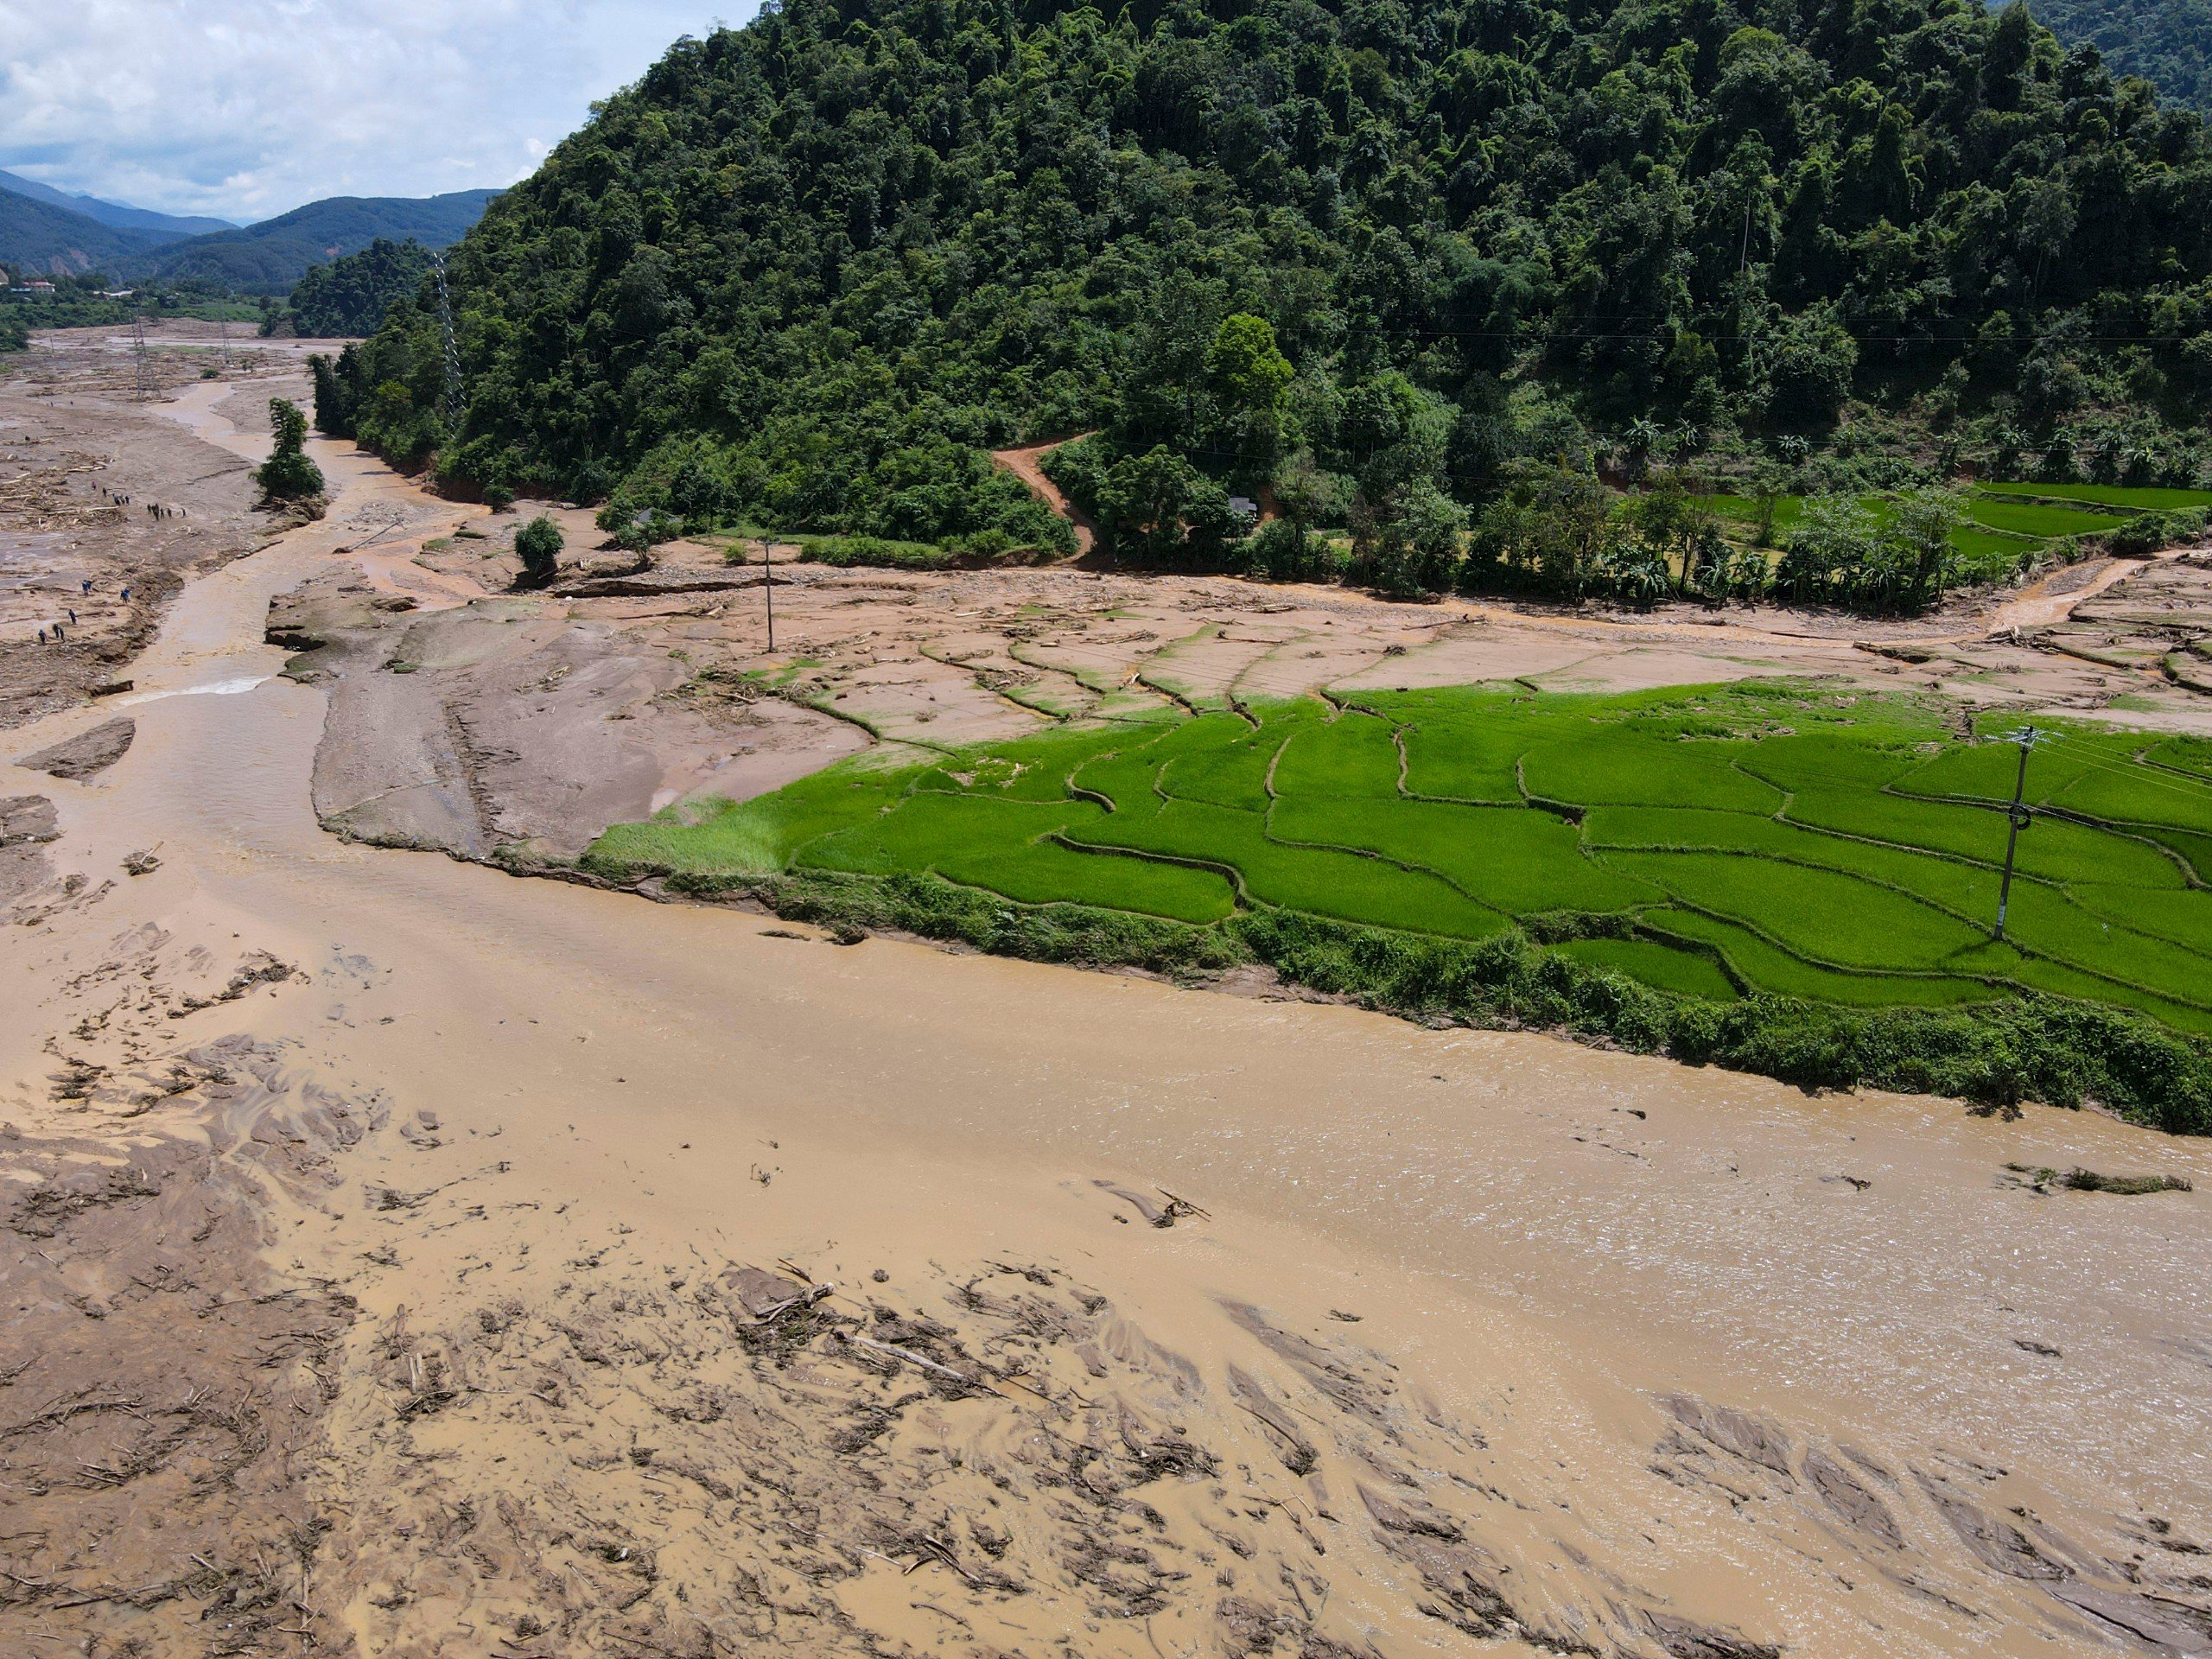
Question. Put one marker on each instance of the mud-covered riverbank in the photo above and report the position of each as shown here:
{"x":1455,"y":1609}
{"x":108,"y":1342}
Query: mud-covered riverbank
{"x":426,"y":1261}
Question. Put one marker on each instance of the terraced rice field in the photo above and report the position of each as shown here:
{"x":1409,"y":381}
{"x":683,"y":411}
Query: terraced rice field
{"x":2003,"y":520}
{"x":1768,"y":836}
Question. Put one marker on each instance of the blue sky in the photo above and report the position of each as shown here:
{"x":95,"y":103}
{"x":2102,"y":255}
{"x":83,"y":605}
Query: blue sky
{"x":245,"y":108}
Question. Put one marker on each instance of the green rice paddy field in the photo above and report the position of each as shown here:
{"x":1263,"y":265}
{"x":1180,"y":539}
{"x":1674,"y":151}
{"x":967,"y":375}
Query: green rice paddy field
{"x":2006,"y":519}
{"x":1712,"y":842}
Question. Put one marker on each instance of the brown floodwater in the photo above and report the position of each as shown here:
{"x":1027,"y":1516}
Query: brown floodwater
{"x":1549,"y":1236}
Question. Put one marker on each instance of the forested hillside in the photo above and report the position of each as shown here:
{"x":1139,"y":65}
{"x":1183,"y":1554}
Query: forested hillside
{"x":111,"y":213}
{"x":44,"y":237}
{"x":2168,"y":43}
{"x":1380,"y":260}
{"x":351,"y":294}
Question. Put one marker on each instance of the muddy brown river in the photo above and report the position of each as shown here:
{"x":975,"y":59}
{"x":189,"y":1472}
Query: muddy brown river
{"x":1458,"y":1341}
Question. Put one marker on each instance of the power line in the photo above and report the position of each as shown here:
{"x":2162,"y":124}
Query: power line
{"x":2136,"y":774}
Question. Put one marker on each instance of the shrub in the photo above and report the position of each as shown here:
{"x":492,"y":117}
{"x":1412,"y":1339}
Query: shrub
{"x":539,"y":544}
{"x":1280,"y":552}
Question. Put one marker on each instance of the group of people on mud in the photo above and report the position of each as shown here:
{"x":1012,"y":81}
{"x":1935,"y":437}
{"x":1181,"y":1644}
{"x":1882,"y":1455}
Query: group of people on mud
{"x":51,"y":634}
{"x":154,"y":509}
{"x":56,"y":633}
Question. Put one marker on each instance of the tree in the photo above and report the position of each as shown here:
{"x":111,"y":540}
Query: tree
{"x":288,"y":477}
{"x":1808,"y":369}
{"x":1250,"y":380}
{"x":1919,"y":530}
{"x":1835,"y":539}
{"x":1142,"y":502}
{"x":1417,"y":550}
{"x":1679,"y":531}
{"x":539,"y":544}
{"x":1641,"y":437}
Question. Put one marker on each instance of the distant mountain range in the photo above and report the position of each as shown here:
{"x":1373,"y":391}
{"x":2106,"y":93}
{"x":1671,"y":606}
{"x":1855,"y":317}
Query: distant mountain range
{"x":113,"y":213}
{"x":42,"y":229}
{"x":37,"y":235}
{"x":270,"y":257}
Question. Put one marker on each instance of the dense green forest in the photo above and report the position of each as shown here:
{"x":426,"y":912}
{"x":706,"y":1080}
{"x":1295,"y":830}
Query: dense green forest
{"x":1372,"y":266}
{"x":2168,"y":43}
{"x":351,"y":294}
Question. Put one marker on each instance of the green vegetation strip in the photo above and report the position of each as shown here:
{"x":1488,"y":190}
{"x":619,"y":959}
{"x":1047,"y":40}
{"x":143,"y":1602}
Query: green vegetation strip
{"x":1788,"y":878}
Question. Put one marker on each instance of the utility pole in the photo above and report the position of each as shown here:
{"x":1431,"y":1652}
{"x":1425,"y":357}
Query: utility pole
{"x":768,"y":590}
{"x":2019,"y":816}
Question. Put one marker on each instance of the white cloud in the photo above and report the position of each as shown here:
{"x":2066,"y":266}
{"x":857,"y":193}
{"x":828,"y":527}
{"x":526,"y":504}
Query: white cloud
{"x":247,"y":108}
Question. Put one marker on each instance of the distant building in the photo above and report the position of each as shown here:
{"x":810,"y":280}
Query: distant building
{"x":117,"y":293}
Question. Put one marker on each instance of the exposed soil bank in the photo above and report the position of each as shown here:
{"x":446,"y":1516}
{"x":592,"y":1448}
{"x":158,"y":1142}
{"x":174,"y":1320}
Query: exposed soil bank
{"x":468,"y":717}
{"x":1459,"y":1342}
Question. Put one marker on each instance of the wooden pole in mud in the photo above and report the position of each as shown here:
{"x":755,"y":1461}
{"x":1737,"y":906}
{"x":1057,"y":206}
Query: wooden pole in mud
{"x":768,"y":590}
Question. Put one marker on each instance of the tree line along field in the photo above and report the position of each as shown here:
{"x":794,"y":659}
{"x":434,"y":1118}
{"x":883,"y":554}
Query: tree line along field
{"x":1776,"y":837}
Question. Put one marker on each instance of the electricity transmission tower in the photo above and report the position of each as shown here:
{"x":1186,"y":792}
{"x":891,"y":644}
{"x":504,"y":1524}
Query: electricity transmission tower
{"x":2019,"y":816}
{"x":224,"y":326}
{"x":143,"y":356}
{"x":452,"y":351}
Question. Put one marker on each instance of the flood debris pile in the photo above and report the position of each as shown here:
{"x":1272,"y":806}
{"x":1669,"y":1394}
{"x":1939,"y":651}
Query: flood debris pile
{"x":106,"y":503}
{"x":28,"y":825}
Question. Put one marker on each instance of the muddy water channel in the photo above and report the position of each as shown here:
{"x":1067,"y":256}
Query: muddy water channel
{"x":673,"y":1281}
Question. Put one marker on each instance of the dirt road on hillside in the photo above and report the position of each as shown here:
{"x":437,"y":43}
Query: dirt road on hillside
{"x":1026,"y":464}
{"x":415,"y":1260}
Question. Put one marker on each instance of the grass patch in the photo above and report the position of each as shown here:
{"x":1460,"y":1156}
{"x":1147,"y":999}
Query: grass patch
{"x":2005,"y":524}
{"x":2125,"y":497}
{"x":2040,"y":519}
{"x":1669,"y":966}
